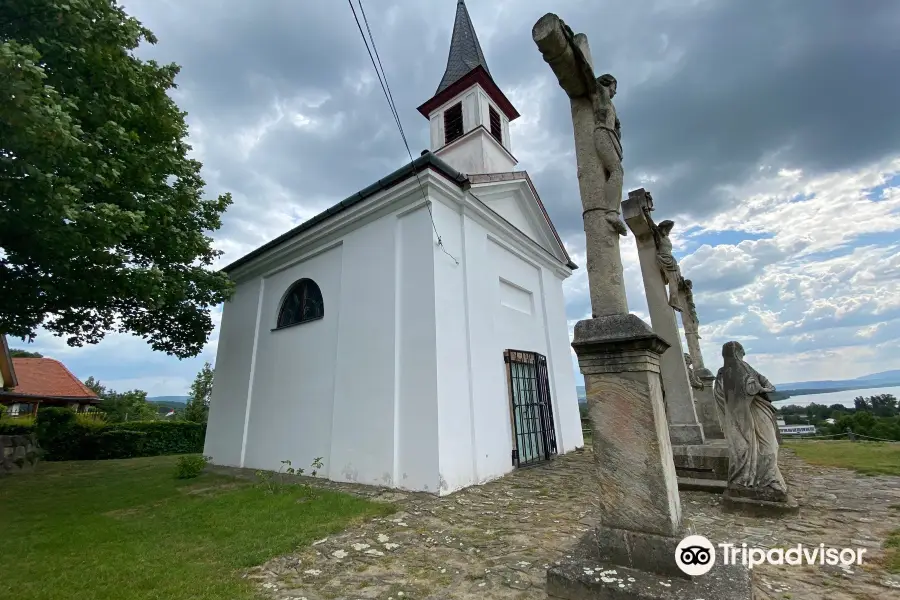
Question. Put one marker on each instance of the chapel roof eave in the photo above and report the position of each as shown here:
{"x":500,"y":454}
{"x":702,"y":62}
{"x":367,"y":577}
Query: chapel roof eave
{"x":488,"y":178}
{"x":477,"y":76}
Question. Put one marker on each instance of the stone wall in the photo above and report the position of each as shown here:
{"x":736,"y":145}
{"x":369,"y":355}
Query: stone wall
{"x":18,"y":453}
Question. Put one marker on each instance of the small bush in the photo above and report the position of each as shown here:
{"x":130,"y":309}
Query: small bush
{"x":189,"y":467}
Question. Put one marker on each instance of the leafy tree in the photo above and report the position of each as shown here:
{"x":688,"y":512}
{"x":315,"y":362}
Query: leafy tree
{"x":95,"y":386}
{"x":860,"y":403}
{"x":17,"y":353}
{"x":125,"y":406}
{"x":197,"y":408}
{"x":101,"y":216}
{"x":883,"y":405}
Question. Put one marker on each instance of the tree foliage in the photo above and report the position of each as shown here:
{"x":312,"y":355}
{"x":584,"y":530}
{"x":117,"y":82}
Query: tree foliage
{"x":17,"y":353}
{"x":197,"y":409}
{"x":875,"y":416}
{"x":125,"y":406}
{"x":102,"y":223}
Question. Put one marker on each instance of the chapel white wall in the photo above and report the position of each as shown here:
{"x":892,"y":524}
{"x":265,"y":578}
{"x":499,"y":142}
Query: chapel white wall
{"x":357,"y":387}
{"x":455,"y":420}
{"x":565,"y":405}
{"x":225,"y":427}
{"x":495,"y":300}
{"x":294,"y":376}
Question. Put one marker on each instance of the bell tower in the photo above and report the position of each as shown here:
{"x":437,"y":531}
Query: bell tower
{"x":469,"y":114}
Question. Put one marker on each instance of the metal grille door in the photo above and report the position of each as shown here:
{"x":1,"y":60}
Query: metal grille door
{"x":531,"y":407}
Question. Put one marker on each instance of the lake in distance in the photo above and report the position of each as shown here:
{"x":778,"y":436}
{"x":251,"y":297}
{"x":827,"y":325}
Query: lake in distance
{"x":846,"y":397}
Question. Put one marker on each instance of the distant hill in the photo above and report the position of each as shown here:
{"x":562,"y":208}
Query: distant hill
{"x":889,"y":375}
{"x":170,"y":401}
{"x":582,"y":397}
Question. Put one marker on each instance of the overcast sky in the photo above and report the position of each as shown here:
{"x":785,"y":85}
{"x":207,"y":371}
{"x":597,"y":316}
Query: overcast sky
{"x":767,"y":130}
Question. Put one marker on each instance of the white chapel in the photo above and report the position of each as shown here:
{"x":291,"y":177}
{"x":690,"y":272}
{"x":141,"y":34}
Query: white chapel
{"x":401,"y":361}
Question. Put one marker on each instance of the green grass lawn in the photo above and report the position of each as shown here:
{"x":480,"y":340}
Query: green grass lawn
{"x":127,"y":529}
{"x":870,"y":458}
{"x":892,"y":552}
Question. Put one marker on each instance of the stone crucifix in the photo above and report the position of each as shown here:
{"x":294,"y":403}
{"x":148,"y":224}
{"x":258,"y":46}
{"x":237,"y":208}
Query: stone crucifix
{"x":598,"y":152}
{"x":668,"y":265}
{"x":692,"y":327}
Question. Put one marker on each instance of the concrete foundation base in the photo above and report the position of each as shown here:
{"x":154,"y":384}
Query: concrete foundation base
{"x":702,"y":461}
{"x":758,"y":507}
{"x":575,"y":580}
{"x":593,"y":573}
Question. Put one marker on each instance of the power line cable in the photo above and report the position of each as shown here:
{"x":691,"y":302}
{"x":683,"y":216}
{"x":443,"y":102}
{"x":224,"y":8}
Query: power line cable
{"x":386,"y":90}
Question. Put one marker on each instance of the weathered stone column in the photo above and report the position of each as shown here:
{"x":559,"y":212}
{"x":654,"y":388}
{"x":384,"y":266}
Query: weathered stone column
{"x":619,"y":355}
{"x":684,"y":427}
{"x":706,"y":408}
{"x":693,"y":344}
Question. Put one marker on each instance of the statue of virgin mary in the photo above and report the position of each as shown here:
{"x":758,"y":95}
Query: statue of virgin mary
{"x":748,"y":420}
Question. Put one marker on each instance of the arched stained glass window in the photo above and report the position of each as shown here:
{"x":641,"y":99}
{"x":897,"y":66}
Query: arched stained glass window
{"x":303,"y":302}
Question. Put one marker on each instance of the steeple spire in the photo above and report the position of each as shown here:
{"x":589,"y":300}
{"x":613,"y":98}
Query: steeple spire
{"x":465,"y":51}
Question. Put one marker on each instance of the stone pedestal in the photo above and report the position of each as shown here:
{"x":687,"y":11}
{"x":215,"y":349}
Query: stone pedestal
{"x":702,"y":467}
{"x":633,"y":548}
{"x":754,"y":504}
{"x":707,"y":412}
{"x":684,"y":426}
{"x":619,"y":357}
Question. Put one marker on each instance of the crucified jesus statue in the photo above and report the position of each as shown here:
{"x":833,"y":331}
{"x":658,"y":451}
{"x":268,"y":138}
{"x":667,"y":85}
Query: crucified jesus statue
{"x":607,"y":134}
{"x":668,"y":265}
{"x":598,"y":151}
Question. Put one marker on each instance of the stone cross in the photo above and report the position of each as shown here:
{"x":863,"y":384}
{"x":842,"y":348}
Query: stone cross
{"x":637,"y":493}
{"x":598,"y":153}
{"x":692,"y":327}
{"x":684,"y":426}
{"x":619,"y":355}
{"x":705,"y":403}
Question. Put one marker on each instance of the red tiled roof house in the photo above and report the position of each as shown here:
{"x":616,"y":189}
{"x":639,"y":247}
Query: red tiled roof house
{"x":45,"y":382}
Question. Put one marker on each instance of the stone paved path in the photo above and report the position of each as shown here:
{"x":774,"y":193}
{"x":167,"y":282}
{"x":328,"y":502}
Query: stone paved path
{"x":496,"y":540}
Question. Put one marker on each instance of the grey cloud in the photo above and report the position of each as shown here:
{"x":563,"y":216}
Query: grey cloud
{"x":725,"y":267}
{"x":749,"y":79}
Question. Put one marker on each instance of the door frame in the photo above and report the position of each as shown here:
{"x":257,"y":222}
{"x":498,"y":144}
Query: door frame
{"x":539,"y":410}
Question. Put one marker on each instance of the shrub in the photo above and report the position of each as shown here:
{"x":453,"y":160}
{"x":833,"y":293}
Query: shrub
{"x":190,"y":466}
{"x":66,"y":436}
{"x":94,"y":419}
{"x":168,"y":437}
{"x":20,"y":426}
{"x":58,"y":433}
{"x":118,"y":443}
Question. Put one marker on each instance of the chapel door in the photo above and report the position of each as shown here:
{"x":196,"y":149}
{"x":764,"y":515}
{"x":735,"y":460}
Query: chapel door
{"x":531,"y":410}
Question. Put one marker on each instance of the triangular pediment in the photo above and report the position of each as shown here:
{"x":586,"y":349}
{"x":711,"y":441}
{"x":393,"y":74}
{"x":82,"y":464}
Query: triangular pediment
{"x":514,"y":198}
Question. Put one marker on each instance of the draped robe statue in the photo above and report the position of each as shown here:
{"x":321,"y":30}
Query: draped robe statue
{"x":748,"y":419}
